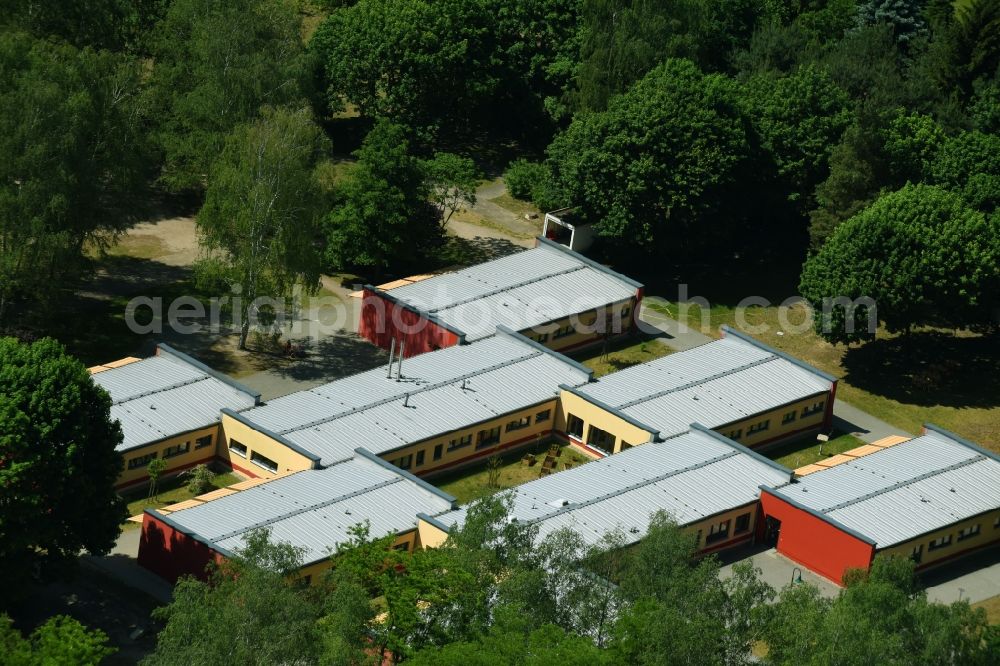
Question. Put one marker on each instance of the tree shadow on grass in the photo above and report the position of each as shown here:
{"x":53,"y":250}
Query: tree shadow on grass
{"x":929,"y":368}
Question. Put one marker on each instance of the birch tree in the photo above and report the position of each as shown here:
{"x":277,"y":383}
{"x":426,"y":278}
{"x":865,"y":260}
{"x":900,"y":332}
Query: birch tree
{"x":259,"y":220}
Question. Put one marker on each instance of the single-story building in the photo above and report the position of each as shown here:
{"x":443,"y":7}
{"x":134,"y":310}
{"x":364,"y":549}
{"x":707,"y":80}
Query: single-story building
{"x":707,"y":483}
{"x":932,"y":498}
{"x":425,"y":414}
{"x":314,"y":510}
{"x":169,"y":408}
{"x":549,"y":293}
{"x":738,"y":386}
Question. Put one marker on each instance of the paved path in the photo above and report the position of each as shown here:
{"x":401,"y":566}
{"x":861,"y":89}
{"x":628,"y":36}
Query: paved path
{"x":776,"y":570}
{"x":669,"y":331}
{"x":120,"y":565}
{"x":861,"y":424}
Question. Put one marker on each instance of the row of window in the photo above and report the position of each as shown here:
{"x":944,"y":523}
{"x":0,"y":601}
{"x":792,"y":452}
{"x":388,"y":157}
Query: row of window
{"x":240,"y":449}
{"x":570,"y":329}
{"x":169,"y":452}
{"x":720,"y":531}
{"x":946,"y":540}
{"x":484,"y":438}
{"x":787,"y":418}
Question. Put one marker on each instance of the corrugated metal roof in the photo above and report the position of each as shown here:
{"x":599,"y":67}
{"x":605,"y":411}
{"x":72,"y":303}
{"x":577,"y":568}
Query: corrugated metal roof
{"x":901,"y":492}
{"x":163,"y":395}
{"x":501,"y":374}
{"x":520,"y":291}
{"x":314,"y":509}
{"x":690,"y":476}
{"x":716,"y":383}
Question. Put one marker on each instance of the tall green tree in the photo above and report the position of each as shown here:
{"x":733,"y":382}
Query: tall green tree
{"x":70,"y":161}
{"x":57,"y":444}
{"x":970,"y":165}
{"x":251,"y":611}
{"x":659,"y":166}
{"x":904,"y":17}
{"x":261,"y":212}
{"x":60,"y":640}
{"x":215,"y":64}
{"x":381,"y":216}
{"x":921,"y":254}
{"x":102,"y":24}
{"x":452,"y":181}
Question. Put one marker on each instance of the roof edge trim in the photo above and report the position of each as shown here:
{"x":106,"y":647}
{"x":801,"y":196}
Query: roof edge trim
{"x":365,"y":453}
{"x":816,"y":514}
{"x":613,"y":410}
{"x":433,"y":318}
{"x":281,"y":439}
{"x":520,"y":337}
{"x":777,"y":352}
{"x":243,"y":388}
{"x":961,"y":440}
{"x":743,"y":449}
{"x":590,"y":262}
{"x":225,"y":552}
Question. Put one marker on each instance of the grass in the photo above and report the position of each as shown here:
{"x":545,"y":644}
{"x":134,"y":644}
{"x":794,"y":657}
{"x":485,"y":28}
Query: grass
{"x":140,"y":246}
{"x":801,"y":454}
{"x":623,"y":355}
{"x":472,"y":482}
{"x":472,"y":217}
{"x":992,"y":607}
{"x":931,"y":376}
{"x":516,"y":206}
{"x":171,"y":491}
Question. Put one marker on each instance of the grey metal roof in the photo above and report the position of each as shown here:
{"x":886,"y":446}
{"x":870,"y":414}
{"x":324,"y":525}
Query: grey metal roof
{"x":314,"y":509}
{"x":903,"y":491}
{"x":716,"y":383}
{"x":441,"y":391}
{"x":520,"y":291}
{"x":690,"y":476}
{"x":164,"y":395}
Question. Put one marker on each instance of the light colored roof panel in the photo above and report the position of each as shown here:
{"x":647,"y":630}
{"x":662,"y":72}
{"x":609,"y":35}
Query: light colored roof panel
{"x":903,"y":491}
{"x":691,"y":476}
{"x":313,"y":509}
{"x":163,"y":396}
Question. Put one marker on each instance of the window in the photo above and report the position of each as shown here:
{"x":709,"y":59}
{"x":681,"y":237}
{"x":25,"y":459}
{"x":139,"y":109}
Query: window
{"x":263,"y":461}
{"x":718,"y":532}
{"x":176,"y":450}
{"x":237,"y":448}
{"x":563,"y":331}
{"x":543,"y":416}
{"x":625,"y":311}
{"x":996,"y":524}
{"x":488,"y":437}
{"x":522,"y":422}
{"x":697,"y":540}
{"x":420,"y":458}
{"x":736,"y":434}
{"x":788,"y":418}
{"x":141,"y":461}
{"x":742,"y":523}
{"x":437,"y":451}
{"x":543,"y":337}
{"x":600,"y":439}
{"x":405,"y":546}
{"x":815,"y":409}
{"x":405,"y":462}
{"x":940,"y":542}
{"x":968,"y":532}
{"x":202,"y":442}
{"x":759,"y":427}
{"x":917,"y":554}
{"x":459,"y":442}
{"x":574,"y":426}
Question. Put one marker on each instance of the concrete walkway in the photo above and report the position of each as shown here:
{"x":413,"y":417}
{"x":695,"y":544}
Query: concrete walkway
{"x":120,"y":564}
{"x":775,"y":569}
{"x":861,"y":424}
{"x":668,"y":331}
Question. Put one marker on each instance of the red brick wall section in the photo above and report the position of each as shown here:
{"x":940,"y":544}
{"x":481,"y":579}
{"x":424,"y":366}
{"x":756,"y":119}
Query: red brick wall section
{"x":171,"y":554}
{"x":815,"y":543}
{"x":383,"y":321}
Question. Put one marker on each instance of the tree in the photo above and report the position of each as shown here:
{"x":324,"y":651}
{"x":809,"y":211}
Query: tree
{"x":905,"y":17}
{"x":261,"y":210}
{"x":101,"y":24}
{"x":970,"y":165}
{"x":200,"y":479}
{"x":250,"y":612}
{"x":658,"y":166}
{"x":57,"y":444}
{"x":70,"y":161}
{"x":381,"y":215}
{"x":422,"y":64}
{"x":154,"y":469}
{"x":798,"y":118}
{"x":60,"y":640}
{"x":216,"y":63}
{"x":921,"y":254}
{"x":452,"y":181}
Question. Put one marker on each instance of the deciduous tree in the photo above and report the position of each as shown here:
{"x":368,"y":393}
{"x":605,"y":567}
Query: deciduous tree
{"x":60,"y":640}
{"x":452,"y":181}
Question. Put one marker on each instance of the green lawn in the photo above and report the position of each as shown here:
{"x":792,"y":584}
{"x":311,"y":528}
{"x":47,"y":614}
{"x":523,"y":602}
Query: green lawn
{"x":942,"y":377}
{"x":992,"y":607}
{"x":473,"y":482}
{"x":171,"y":491}
{"x":622,"y":355}
{"x":805,"y":453}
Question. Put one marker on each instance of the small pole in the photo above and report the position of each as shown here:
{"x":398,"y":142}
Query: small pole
{"x":399,"y":370}
{"x":392,"y":349}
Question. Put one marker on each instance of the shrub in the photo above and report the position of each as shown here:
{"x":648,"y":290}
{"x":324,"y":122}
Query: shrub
{"x":200,"y":480}
{"x":523,"y":178}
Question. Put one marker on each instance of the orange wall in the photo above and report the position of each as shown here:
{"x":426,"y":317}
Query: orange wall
{"x":815,"y":543}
